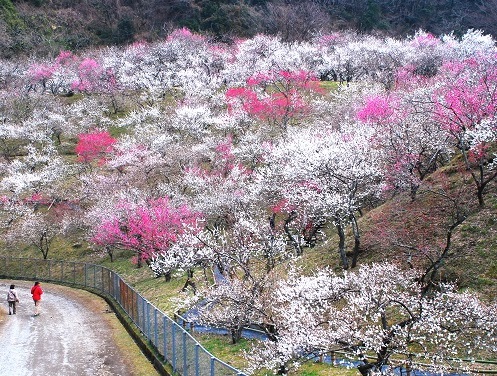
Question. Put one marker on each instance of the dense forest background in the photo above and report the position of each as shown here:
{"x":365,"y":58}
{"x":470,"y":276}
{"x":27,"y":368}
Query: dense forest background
{"x":44,"y":27}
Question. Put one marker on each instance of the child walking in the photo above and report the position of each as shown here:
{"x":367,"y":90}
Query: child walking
{"x":12,"y":299}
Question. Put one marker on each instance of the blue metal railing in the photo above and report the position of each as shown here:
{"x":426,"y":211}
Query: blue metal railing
{"x":179,"y":349}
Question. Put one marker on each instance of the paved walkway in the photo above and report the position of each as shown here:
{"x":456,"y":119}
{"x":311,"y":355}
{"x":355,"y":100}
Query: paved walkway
{"x":71,"y":336}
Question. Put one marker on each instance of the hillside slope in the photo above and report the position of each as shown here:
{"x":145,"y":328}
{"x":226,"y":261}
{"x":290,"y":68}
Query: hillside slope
{"x":44,"y":27}
{"x":415,"y":231}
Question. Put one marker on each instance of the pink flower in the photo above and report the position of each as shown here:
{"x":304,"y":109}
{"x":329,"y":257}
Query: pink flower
{"x":376,"y":109}
{"x":94,"y":145}
{"x":41,"y":72}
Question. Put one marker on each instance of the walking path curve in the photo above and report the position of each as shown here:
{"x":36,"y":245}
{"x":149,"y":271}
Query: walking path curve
{"x":76,"y":334}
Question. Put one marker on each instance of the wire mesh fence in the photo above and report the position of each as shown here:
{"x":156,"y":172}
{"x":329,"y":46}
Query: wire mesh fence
{"x":186,"y":356}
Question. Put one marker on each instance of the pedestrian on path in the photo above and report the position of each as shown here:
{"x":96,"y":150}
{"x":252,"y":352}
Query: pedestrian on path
{"x":12,"y":299}
{"x":36,"y":291}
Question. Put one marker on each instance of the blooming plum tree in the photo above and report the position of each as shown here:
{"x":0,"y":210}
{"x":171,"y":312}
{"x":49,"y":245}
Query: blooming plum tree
{"x":147,"y":229}
{"x":466,"y":99}
{"x":235,"y":304}
{"x":41,"y":219}
{"x":413,"y":145}
{"x":276,"y":97}
{"x":330,"y":175}
{"x":40,"y":169}
{"x":54,"y":76}
{"x":378,"y":312}
{"x":94,"y":146}
{"x":237,"y":228}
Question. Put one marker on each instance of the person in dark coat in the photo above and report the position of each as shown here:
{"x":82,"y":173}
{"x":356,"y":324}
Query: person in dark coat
{"x":12,"y":299}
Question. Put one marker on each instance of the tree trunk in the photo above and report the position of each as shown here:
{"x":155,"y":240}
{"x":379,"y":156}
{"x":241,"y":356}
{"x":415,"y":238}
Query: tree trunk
{"x":189,"y":282}
{"x":479,"y":193}
{"x":236,"y":334}
{"x":341,"y":246}
{"x":110,"y":253}
{"x":311,"y":234}
{"x":430,"y":274}
{"x":295,"y":242}
{"x":282,"y":370}
{"x":357,"y":241}
{"x":270,"y":331}
{"x":408,"y":368}
{"x":44,"y":245}
{"x":365,"y":368}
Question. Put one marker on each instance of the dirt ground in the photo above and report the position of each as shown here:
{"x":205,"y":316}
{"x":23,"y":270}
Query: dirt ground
{"x":75,"y":334}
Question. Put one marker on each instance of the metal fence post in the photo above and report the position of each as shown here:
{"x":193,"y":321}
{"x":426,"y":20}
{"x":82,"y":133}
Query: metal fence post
{"x":139,"y":311}
{"x":173,"y":338}
{"x":156,"y":329}
{"x":102,"y":279}
{"x":197,"y":364}
{"x":185,"y":359}
{"x":144,"y":314}
{"x":116,"y":287}
{"x":164,"y":339}
{"x":149,"y":336}
{"x":212,"y":366}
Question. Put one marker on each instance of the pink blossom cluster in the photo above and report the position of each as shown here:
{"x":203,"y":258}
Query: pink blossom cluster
{"x":378,"y":108}
{"x":94,"y":146}
{"x":148,"y":229}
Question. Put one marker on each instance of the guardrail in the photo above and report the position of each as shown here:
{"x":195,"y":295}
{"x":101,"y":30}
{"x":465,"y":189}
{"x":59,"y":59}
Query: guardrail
{"x":178,"y":348}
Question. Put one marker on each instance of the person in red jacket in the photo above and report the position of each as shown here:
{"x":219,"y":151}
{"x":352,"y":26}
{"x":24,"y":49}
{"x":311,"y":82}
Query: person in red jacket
{"x":36,"y":291}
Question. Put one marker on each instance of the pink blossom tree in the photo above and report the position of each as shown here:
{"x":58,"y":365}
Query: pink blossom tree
{"x":467,"y":97}
{"x":414,"y":146}
{"x":94,"y":146}
{"x":276,"y":97}
{"x":56,"y":75}
{"x":89,"y":73}
{"x":147,"y":229}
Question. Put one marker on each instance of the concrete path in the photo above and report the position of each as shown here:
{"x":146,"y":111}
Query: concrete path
{"x":71,"y":336}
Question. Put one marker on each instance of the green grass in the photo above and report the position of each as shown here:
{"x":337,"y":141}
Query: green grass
{"x":317,"y":369}
{"x":329,"y":85}
{"x":10,"y":15}
{"x":221,"y":347}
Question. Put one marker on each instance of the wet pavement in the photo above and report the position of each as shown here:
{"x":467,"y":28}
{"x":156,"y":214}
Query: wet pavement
{"x":69,"y":337}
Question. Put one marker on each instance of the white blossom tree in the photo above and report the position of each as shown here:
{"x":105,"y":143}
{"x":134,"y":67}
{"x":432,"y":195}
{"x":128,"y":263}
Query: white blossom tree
{"x":328,"y":175}
{"x":380,"y":314}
